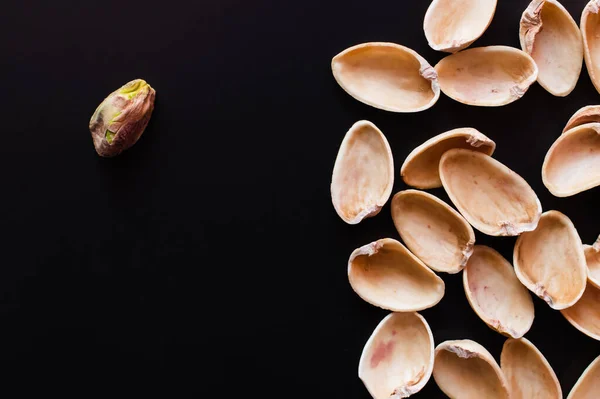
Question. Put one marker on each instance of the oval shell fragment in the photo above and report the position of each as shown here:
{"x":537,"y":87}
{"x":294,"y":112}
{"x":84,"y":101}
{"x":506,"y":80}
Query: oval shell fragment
{"x":550,"y":35}
{"x":397,"y":360}
{"x":432,"y":230}
{"x":465,"y":369}
{"x":421,"y":167}
{"x":592,"y":259}
{"x":386,"y":274}
{"x":387,"y":76}
{"x":487,"y":76}
{"x":494,"y":199}
{"x":588,"y":114}
{"x":363,"y":175}
{"x":495,"y":293}
{"x":590,"y":26}
{"x":585,"y":314}
{"x":550,"y":262}
{"x":528,"y":373}
{"x":452,"y":25}
{"x":588,"y":385}
{"x":572,"y":164}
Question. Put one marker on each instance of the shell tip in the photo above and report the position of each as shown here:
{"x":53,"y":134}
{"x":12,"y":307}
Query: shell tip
{"x":596,"y":244}
{"x":541,"y":292}
{"x":461,"y":352}
{"x":476,"y":140}
{"x":466,"y":253}
{"x":518,"y":91}
{"x":428,"y":73}
{"x":593,"y":6}
{"x":508,"y":229}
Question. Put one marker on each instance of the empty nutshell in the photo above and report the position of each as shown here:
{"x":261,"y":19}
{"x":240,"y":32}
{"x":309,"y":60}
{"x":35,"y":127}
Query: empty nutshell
{"x":584,"y":315}
{"x":588,"y":385}
{"x":592,"y":259}
{"x":589,"y":25}
{"x":387,"y":76}
{"x":397,"y":360}
{"x":363,"y":174}
{"x":119,"y":121}
{"x":550,"y":35}
{"x":587,"y":114}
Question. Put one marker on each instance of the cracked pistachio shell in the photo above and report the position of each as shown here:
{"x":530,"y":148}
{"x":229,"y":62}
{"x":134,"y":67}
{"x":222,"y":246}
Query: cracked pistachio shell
{"x":494,"y":199}
{"x":592,"y":259}
{"x":387,"y":76}
{"x":464,"y":369}
{"x":588,"y":114}
{"x":363,"y":174}
{"x":421,"y":167}
{"x":397,"y":360}
{"x":452,"y":25}
{"x":432,"y":230}
{"x":584,"y":315}
{"x":572,"y":164}
{"x":590,"y":25}
{"x":386,"y":274}
{"x":528,"y":373}
{"x":550,"y":35}
{"x":489,"y":76}
{"x":496,"y":294}
{"x":588,"y":385}
{"x":550,"y":261}
{"x":122,"y":117}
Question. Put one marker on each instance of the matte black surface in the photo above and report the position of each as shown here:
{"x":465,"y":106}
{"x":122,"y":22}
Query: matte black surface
{"x":209,"y":258}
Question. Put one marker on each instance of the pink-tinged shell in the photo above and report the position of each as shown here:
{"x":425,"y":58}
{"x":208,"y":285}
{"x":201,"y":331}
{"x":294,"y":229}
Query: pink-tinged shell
{"x":587,"y":114}
{"x":590,"y":27}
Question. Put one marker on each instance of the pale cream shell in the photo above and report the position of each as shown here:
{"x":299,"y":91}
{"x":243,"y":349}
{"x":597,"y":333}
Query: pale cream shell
{"x":587,"y":114}
{"x":363,"y":175}
{"x":588,"y":385}
{"x":464,"y":369}
{"x":421,"y":167}
{"x":489,"y":76}
{"x":550,"y":262}
{"x":494,"y":199}
{"x":496,"y":294}
{"x":387,"y":76}
{"x":592,"y":259}
{"x":572,"y":164}
{"x":386,"y":274}
{"x":452,"y":25}
{"x":584,"y":315}
{"x":550,"y":35}
{"x":397,"y":360}
{"x":528,"y":373}
{"x":590,"y":29}
{"x":433,"y":231}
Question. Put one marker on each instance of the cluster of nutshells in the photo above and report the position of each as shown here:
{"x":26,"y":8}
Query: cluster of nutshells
{"x":549,"y":258}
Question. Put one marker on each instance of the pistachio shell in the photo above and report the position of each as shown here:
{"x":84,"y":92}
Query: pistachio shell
{"x":464,"y":369}
{"x":387,"y":76}
{"x":550,"y":35}
{"x":528,"y":373}
{"x":592,"y":259}
{"x":572,"y":164}
{"x":421,"y":167}
{"x":588,"y":385}
{"x":495,"y":293}
{"x":432,"y":230}
{"x":397,"y":360}
{"x":550,"y":262}
{"x":385,"y":274}
{"x":590,"y":25}
{"x":363,"y":175}
{"x":452,"y":25}
{"x":487,"y":76}
{"x":588,"y":114}
{"x":585,"y":314}
{"x":494,"y":199}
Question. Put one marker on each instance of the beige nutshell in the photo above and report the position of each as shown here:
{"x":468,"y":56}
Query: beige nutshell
{"x":592,"y":259}
{"x":590,"y":27}
{"x":550,"y":35}
{"x":433,"y":231}
{"x":489,"y":76}
{"x":386,"y":274}
{"x":572,"y":164}
{"x":528,"y":373}
{"x":464,"y":369}
{"x":387,"y":76}
{"x":587,"y":114}
{"x":584,"y":315}
{"x":421,"y":167}
{"x":588,"y":385}
{"x":494,"y":199}
{"x":363,"y":174}
{"x":397,"y":360}
{"x":452,"y":25}
{"x":550,"y":261}
{"x":495,"y":293}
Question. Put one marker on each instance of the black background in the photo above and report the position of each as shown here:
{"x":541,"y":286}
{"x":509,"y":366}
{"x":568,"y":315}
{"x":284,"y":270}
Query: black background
{"x":209,"y":258}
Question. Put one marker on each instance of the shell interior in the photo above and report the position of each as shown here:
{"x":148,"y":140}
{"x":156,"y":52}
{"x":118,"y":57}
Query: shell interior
{"x":587,"y":114}
{"x":590,"y":30}
{"x":585,"y":314}
{"x":588,"y":385}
